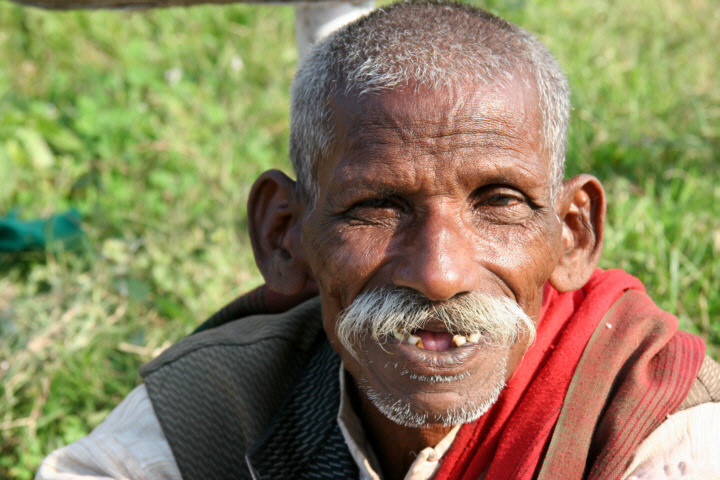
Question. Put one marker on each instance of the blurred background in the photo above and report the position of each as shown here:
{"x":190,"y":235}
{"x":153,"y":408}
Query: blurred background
{"x":150,"y":127}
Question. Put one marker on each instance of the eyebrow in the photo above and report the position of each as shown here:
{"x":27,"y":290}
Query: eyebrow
{"x":357,"y":179}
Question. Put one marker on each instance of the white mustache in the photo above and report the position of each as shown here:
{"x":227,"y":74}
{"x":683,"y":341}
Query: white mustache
{"x":381,"y":312}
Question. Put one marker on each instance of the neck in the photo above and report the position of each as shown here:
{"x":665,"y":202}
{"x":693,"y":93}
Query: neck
{"x":395,"y":446}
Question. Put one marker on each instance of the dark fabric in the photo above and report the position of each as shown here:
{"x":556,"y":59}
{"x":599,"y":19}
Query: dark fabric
{"x":304,"y":440}
{"x":633,"y":368}
{"x":215,"y":393}
{"x":259,"y":301}
{"x":706,"y":387}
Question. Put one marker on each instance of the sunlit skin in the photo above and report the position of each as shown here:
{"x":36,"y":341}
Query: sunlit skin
{"x":443,"y":192}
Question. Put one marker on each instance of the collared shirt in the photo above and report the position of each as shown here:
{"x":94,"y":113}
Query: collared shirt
{"x":130,"y":444}
{"x":423,"y":468}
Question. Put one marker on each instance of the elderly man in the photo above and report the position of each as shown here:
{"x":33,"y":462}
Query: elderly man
{"x":448,"y":320}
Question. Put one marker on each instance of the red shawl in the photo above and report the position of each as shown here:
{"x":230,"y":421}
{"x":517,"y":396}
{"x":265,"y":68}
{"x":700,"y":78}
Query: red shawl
{"x":634,"y":368}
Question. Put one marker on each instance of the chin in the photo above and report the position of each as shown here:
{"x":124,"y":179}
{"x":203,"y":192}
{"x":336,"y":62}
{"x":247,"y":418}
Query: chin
{"x":455,"y":403}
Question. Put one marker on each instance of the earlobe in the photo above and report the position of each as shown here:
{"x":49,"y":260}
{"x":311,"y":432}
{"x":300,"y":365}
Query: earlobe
{"x":581,"y":208}
{"x":274,"y":226}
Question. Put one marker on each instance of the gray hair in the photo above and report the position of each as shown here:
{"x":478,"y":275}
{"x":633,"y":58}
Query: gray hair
{"x":428,"y":44}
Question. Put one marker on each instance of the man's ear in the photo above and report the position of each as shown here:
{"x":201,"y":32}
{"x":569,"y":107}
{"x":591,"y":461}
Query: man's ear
{"x":274,"y":214}
{"x":581,"y":208}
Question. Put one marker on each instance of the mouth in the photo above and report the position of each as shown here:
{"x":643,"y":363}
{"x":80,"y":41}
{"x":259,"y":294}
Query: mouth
{"x":438,"y":341}
{"x":433,"y":352}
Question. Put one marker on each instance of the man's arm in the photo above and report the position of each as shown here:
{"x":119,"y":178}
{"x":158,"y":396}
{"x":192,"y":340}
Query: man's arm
{"x":686,"y":445}
{"x":129,"y":444}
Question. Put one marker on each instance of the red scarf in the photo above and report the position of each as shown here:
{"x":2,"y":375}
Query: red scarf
{"x":512,"y":438}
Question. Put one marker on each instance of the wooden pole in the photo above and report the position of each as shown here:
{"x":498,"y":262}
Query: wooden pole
{"x":90,"y":4}
{"x":314,"y":18}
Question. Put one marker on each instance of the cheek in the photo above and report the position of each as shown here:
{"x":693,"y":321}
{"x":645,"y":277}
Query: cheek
{"x":523,"y":258}
{"x":343,"y":260}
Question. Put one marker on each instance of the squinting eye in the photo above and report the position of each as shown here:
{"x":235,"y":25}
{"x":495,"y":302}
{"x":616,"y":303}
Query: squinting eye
{"x":374,"y":210}
{"x":502,"y":200}
{"x":374,"y":203}
{"x":501,"y":204}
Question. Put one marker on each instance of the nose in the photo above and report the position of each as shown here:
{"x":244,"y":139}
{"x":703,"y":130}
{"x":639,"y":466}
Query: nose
{"x":439,"y":259}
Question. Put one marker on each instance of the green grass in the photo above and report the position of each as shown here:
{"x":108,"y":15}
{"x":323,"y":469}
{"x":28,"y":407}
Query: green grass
{"x":153,"y":124}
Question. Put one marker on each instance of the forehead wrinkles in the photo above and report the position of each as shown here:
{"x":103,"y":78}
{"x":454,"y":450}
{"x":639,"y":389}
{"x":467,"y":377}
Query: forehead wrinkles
{"x":374,"y":136}
{"x":499,"y":118}
{"x":385,"y":175}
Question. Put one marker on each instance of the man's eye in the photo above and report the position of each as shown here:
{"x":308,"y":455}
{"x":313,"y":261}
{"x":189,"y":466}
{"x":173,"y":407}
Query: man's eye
{"x":502,"y":205}
{"x":374,"y":210}
{"x":374,"y":203}
{"x":498,"y":197}
{"x":503,"y":200}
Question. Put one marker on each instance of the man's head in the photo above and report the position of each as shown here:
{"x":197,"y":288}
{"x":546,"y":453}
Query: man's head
{"x":423,"y":44}
{"x":428,"y":141}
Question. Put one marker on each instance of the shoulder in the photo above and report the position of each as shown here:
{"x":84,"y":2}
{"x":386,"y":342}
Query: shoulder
{"x":706,"y":387}
{"x":295,"y":329}
{"x":243,"y":366}
{"x":129,"y":443}
{"x":214,"y":393}
{"x":687,"y":443}
{"x":226,"y":381}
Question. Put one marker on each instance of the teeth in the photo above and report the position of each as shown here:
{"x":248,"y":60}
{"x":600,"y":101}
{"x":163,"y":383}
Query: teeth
{"x":413,"y":340}
{"x":458,"y":340}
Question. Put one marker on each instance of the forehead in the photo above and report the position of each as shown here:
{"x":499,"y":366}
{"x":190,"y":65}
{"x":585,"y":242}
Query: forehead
{"x":493,"y":127}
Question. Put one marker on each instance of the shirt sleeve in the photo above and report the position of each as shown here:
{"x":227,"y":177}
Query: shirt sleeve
{"x":686,"y":445}
{"x":129,"y":444}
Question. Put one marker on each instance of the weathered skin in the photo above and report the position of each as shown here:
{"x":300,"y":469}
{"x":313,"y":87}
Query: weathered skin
{"x":444,"y":196}
{"x":445,"y":193}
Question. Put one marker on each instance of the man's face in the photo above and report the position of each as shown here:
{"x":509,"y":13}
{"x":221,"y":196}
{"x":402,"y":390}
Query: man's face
{"x":445,"y":195}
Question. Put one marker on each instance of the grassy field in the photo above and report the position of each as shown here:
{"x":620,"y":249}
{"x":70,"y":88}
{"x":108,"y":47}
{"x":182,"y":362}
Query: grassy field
{"x":153,"y":125}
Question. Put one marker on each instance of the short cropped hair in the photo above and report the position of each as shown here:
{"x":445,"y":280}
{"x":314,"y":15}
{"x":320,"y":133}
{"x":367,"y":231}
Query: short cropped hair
{"x":431,"y":44}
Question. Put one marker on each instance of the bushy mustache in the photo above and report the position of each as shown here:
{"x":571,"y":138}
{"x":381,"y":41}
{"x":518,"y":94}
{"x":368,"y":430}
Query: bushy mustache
{"x":379,"y":313}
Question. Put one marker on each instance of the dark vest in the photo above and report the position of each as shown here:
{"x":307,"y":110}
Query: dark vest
{"x":254,"y":398}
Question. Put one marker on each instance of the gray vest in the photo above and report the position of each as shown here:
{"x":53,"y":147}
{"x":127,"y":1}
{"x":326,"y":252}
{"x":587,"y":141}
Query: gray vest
{"x":256,"y":398}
